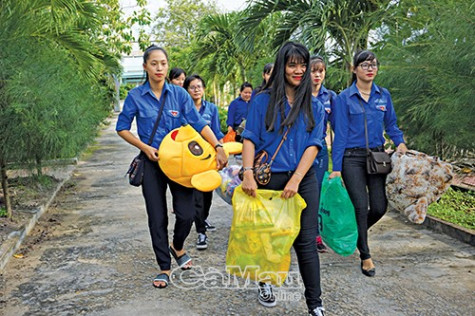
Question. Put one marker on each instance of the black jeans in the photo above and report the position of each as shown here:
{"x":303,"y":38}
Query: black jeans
{"x":154,"y":188}
{"x":202,"y":201}
{"x":304,"y":244}
{"x":360,"y":187}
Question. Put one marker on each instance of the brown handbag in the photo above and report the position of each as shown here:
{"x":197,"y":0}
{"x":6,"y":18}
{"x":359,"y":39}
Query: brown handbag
{"x":261,"y":168}
{"x":377,"y":162}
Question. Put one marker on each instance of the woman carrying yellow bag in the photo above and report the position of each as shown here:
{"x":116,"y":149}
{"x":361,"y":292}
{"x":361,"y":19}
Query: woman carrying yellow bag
{"x":286,"y":104}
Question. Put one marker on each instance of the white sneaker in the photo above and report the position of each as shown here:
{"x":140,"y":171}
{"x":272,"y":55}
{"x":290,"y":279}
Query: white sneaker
{"x":317,"y":311}
{"x":202,"y":242}
{"x":266,"y":295}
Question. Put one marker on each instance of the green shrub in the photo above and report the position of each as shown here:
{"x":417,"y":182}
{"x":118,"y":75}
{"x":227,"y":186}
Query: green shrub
{"x":223,"y":116}
{"x":124,"y":90}
{"x":456,"y":207}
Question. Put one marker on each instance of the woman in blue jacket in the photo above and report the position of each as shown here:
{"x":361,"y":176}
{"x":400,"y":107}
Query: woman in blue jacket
{"x":143,"y":104}
{"x":195,"y":86}
{"x":318,"y":70}
{"x":237,"y":110}
{"x":286,"y":104}
{"x":349,"y":146}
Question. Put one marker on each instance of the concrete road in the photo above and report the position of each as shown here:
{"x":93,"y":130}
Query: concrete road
{"x":91,"y":254}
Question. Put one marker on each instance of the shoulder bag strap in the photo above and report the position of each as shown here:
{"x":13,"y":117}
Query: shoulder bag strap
{"x":155,"y":126}
{"x":365,"y":126}
{"x":284,"y":137}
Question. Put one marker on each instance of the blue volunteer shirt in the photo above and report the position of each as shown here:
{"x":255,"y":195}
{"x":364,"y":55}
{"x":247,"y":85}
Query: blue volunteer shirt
{"x":209,"y":112}
{"x":326,"y":97}
{"x":349,"y":121}
{"x":144,"y":106}
{"x":237,"y":112}
{"x":298,"y":139}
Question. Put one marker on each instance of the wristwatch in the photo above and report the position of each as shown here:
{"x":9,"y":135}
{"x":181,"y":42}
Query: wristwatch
{"x":244,"y":169}
{"x":218,"y":145}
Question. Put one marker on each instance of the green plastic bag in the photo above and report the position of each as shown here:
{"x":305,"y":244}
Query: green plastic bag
{"x":337,"y":217}
{"x":263,"y":230}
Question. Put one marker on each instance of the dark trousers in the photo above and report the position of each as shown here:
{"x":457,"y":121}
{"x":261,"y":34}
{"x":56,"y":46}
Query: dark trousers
{"x":154,"y":188}
{"x":202,"y":204}
{"x":304,"y":245}
{"x":360,"y":187}
{"x":320,"y":168}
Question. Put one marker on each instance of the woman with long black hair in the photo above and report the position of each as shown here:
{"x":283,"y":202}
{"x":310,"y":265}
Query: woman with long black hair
{"x":286,"y":104}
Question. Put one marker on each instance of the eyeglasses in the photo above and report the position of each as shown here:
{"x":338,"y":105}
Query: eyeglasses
{"x":194,"y":88}
{"x":365,"y":66}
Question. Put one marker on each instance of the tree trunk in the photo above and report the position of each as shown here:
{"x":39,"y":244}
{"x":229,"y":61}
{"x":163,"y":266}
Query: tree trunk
{"x":39,"y":171}
{"x":6,"y":194}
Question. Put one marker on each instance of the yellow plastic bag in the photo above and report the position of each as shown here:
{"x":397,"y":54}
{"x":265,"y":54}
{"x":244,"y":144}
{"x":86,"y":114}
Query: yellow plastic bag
{"x":262,"y":232}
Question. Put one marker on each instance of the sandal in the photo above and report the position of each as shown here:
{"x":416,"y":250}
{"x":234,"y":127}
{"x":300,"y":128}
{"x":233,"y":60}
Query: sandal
{"x":162,"y":277}
{"x":182,"y":260}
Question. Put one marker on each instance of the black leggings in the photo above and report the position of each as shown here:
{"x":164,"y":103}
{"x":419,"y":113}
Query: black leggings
{"x":154,"y":188}
{"x":360,"y":186}
{"x":304,"y":245}
{"x":202,"y":202}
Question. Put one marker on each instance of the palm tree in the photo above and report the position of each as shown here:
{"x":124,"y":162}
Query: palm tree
{"x":339,"y":27}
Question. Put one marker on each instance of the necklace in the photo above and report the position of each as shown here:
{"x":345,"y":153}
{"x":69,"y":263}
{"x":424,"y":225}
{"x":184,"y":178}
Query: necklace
{"x":365,"y":93}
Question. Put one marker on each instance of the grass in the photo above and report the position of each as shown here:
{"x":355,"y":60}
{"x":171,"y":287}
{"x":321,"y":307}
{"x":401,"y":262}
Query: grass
{"x":3,"y":212}
{"x":456,"y":207}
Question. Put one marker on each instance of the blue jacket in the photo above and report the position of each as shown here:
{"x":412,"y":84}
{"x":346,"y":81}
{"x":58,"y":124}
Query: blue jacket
{"x":298,"y":139}
{"x":142,"y":104}
{"x":349,"y":121}
{"x":237,"y":112}
{"x":327,"y":97}
{"x":209,"y":112}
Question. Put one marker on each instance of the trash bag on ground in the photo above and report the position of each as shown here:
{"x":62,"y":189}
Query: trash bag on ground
{"x":337,"y":217}
{"x":230,"y":180}
{"x":262,"y":232}
{"x":416,"y":180}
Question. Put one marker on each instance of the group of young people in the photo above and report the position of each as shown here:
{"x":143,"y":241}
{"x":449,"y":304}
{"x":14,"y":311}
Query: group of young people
{"x":292,"y":99}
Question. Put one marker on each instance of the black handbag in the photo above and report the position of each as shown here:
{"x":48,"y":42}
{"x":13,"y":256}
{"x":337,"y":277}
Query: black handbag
{"x":261,"y":168}
{"x":377,"y":162}
{"x":136,"y":168}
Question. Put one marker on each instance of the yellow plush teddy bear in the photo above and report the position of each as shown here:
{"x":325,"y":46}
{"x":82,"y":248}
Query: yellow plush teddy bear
{"x":188,"y":159}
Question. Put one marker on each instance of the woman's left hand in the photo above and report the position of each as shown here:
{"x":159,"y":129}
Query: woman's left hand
{"x":401,"y":148}
{"x":221,"y":158}
{"x":291,"y":188}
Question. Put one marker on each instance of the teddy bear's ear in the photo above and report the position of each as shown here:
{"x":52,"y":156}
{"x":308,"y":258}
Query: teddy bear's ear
{"x":232,"y":148}
{"x":206,"y":181}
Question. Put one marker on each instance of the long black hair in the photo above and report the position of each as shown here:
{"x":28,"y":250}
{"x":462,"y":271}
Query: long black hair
{"x":146,"y":56}
{"x":267,"y":70}
{"x":362,"y":56}
{"x":290,"y":51}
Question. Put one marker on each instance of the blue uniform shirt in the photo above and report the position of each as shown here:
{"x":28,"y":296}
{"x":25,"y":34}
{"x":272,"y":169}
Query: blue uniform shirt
{"x":326,"y":97}
{"x":237,"y":112}
{"x":349,"y":121}
{"x":209,"y":112}
{"x":298,"y":138}
{"x":144,"y":106}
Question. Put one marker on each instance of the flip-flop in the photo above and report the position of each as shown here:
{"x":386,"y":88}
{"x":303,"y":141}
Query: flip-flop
{"x":162,"y":277}
{"x":182,"y":260}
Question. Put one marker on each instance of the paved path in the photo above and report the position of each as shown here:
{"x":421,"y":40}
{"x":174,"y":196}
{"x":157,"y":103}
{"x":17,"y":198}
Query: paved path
{"x":91,"y":254}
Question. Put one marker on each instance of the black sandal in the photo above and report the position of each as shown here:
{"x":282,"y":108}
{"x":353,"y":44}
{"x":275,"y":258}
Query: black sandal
{"x":162,"y":277}
{"x":182,"y":260}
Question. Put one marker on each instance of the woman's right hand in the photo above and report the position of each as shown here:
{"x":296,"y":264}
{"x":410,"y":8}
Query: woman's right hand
{"x":249,"y":185}
{"x":152,"y":153}
{"x":334,"y":174}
